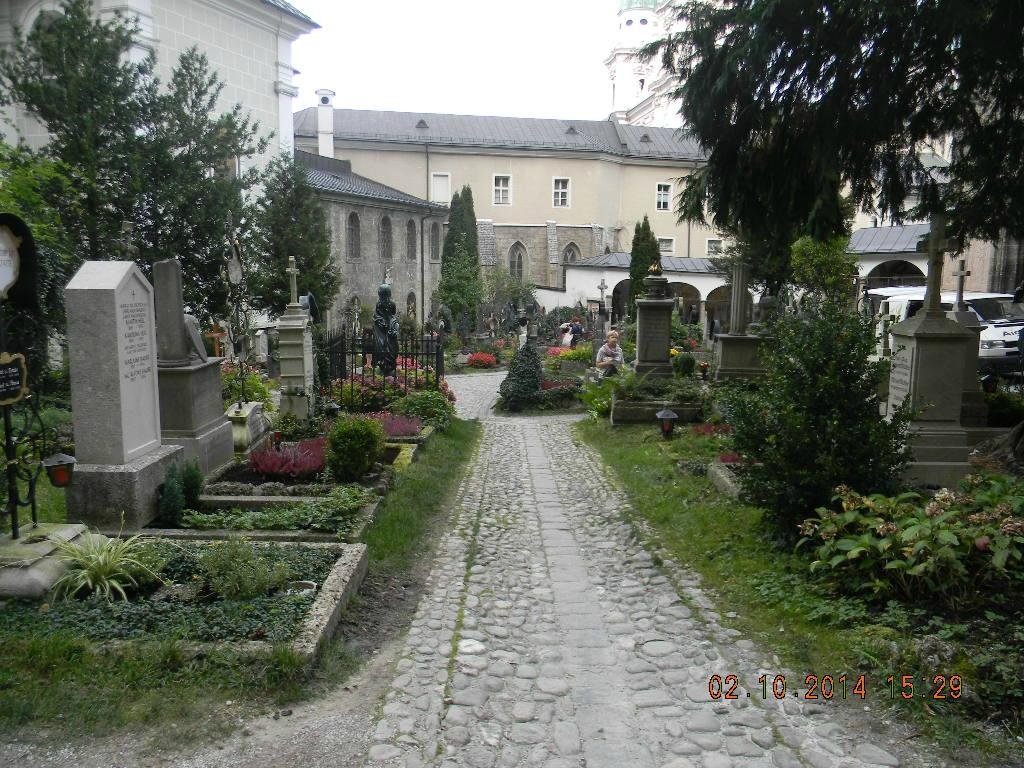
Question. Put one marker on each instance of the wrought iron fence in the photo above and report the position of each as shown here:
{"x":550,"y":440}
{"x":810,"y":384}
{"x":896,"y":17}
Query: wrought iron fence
{"x":349,"y":374}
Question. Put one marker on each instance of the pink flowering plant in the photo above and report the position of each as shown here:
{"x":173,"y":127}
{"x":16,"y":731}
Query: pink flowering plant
{"x":396,"y":425}
{"x":296,"y":461}
{"x":950,"y":548}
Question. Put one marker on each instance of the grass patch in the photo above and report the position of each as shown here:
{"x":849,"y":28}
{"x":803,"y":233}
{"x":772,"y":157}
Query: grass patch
{"x":780,"y":605}
{"x":50,"y":506}
{"x":60,"y":683}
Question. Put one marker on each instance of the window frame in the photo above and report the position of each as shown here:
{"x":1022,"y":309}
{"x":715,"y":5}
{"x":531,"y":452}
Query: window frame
{"x":567,"y":191}
{"x":518,"y":248}
{"x":707,"y":246}
{"x":434,"y":175}
{"x":670,"y":240}
{"x":411,"y":249}
{"x":668,"y":198}
{"x":436,"y":241}
{"x":385,"y":225}
{"x":353,"y":237}
{"x":507,"y":190}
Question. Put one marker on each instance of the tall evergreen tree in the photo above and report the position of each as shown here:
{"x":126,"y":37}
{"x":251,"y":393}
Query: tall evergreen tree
{"x":643,"y":254}
{"x":290,"y":221}
{"x":460,"y":287}
{"x":74,"y":72}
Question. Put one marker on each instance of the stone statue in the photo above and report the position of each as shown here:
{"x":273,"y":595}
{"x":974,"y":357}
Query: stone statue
{"x":385,"y":332}
{"x":195,"y":336}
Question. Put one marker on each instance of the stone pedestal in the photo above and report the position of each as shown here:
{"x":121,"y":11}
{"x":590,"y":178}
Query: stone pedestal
{"x":191,"y":414}
{"x":114,"y":396}
{"x":973,"y":408}
{"x":927,"y":367}
{"x":654,"y":329}
{"x":28,"y":569}
{"x":249,"y":428}
{"x":737,"y":357}
{"x":295,"y":351}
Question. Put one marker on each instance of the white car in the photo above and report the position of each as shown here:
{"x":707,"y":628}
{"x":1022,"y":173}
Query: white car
{"x":1002,"y":321}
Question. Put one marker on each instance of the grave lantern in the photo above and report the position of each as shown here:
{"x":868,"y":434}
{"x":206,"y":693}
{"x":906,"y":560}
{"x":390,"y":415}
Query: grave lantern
{"x":667,"y":418}
{"x":59,"y":468}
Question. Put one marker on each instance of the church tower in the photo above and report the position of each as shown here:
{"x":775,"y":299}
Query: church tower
{"x":631,"y":79}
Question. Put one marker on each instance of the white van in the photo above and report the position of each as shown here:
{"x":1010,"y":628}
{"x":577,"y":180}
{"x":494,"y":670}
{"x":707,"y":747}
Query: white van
{"x":1002,"y":320}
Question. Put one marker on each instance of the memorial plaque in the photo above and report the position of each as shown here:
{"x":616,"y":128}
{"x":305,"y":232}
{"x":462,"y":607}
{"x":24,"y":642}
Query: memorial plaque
{"x":10,"y":260}
{"x":13,"y":378}
{"x":899,"y":376}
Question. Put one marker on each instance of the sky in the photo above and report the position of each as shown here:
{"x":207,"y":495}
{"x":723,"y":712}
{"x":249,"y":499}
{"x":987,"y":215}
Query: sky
{"x":521,"y":58}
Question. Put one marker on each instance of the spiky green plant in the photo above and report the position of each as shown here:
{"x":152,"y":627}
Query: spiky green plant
{"x":100,"y":565}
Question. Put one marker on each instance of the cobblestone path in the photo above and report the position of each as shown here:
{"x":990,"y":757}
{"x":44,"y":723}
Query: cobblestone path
{"x":549,"y":637}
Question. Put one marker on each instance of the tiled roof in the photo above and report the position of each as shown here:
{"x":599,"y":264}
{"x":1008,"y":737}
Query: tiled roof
{"x":291,"y":10}
{"x":604,"y":136}
{"x":329,"y":175}
{"x":620,"y":260}
{"x":901,"y":239}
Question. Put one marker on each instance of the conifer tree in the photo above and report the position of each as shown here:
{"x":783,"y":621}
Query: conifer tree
{"x":460,"y":287}
{"x":643,"y":254}
{"x":291,"y":221}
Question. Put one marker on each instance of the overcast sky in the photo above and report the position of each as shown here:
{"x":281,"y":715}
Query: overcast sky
{"x":524,"y":58}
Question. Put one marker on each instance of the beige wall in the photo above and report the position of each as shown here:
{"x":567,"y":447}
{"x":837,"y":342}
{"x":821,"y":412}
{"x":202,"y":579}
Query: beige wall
{"x":611,"y":192}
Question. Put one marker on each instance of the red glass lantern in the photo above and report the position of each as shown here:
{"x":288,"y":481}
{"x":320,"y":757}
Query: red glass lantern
{"x":668,"y":422}
{"x":59,"y":468}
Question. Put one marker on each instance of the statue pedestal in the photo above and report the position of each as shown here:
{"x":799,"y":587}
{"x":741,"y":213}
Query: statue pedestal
{"x":654,"y":329}
{"x":191,"y":413}
{"x":737,"y":357}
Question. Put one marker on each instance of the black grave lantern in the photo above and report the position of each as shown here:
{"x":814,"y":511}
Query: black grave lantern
{"x":59,"y":469}
{"x":667,"y":418}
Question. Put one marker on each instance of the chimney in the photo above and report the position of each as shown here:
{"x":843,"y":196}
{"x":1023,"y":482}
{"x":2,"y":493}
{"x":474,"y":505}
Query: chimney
{"x":325,"y":122}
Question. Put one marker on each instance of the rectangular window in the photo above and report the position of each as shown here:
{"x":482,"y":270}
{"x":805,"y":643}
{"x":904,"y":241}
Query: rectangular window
{"x":441,"y":188}
{"x":664,"y":198}
{"x":502,"y":190}
{"x":561,"y":193}
{"x":666,"y":244}
{"x":714,"y":247}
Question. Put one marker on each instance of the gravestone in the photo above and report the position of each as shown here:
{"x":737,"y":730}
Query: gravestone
{"x":737,"y":352}
{"x":973,"y":409}
{"x":654,"y":328}
{"x":295,"y":351}
{"x":928,"y":351}
{"x":114,"y":397}
{"x":191,"y":409}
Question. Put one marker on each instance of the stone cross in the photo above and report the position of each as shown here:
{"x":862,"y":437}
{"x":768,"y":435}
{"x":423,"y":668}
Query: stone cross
{"x":602,"y":287}
{"x":961,"y":276}
{"x":292,"y":278}
{"x":936,"y":245}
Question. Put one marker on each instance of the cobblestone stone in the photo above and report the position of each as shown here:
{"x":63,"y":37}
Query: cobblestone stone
{"x":574,"y":649}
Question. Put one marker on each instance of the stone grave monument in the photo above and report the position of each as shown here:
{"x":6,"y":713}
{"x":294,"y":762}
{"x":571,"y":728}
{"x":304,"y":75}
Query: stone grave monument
{"x":654,"y":326}
{"x":295,"y":350}
{"x":736,"y":352}
{"x":928,"y":354}
{"x":191,"y":410}
{"x":115,"y":397}
{"x":973,"y":409}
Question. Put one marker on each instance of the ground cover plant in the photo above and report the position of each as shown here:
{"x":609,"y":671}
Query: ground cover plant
{"x":397,"y":425}
{"x":293,"y":461}
{"x":815,"y":622}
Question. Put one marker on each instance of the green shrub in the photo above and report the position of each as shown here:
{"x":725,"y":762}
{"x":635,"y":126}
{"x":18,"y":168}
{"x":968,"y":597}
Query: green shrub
{"x":949,"y":549}
{"x":522,"y":387}
{"x":192,"y":483}
{"x":430,"y":406}
{"x":582,"y":354}
{"x":812,"y":423}
{"x":1004,"y":409}
{"x":597,"y":397}
{"x":99,"y":566}
{"x":235,"y":570}
{"x":172,"y":498}
{"x":684,"y":364}
{"x":256,"y":390}
{"x":353,"y":446}
{"x":293,"y":429}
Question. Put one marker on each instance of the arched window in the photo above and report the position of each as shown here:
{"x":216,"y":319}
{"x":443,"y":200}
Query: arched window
{"x":570,"y":255}
{"x":435,"y":242}
{"x":410,"y":240}
{"x":410,"y":304}
{"x":384,"y":239}
{"x":355,"y":249}
{"x":517,"y":261}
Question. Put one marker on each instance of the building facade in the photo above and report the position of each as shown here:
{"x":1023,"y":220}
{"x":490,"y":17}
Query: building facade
{"x":547,"y":193}
{"x":378,"y":234}
{"x":248,"y":43}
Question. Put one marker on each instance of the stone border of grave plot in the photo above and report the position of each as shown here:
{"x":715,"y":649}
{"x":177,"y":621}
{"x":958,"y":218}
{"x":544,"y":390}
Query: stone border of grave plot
{"x":317,"y":627}
{"x":367,"y":515}
{"x":419,"y":439}
{"x":643,"y":411}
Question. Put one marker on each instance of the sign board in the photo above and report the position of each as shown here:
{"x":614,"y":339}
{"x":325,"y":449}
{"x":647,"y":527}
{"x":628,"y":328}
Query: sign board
{"x":10,"y":259}
{"x":13,"y":378}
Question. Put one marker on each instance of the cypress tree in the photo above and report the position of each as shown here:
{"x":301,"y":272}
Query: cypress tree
{"x":644,"y":253}
{"x":459,"y":287}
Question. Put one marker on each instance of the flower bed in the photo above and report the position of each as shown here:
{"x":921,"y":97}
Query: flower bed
{"x":482,"y":360}
{"x":204,"y":592}
{"x":397,"y":425}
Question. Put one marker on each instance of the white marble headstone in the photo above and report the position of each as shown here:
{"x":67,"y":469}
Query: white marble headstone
{"x":112,"y":346}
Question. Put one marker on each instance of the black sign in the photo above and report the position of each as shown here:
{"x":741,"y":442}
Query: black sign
{"x":13,"y":376}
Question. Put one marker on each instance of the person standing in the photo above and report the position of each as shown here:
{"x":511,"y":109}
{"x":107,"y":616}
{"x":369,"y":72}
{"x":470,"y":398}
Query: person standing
{"x":576,"y":331}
